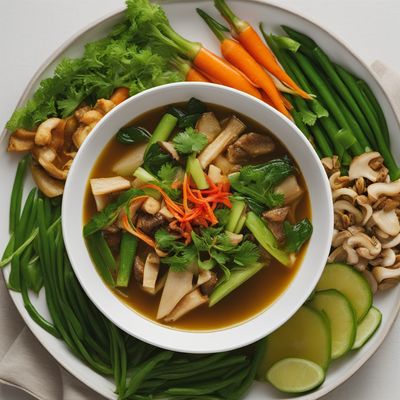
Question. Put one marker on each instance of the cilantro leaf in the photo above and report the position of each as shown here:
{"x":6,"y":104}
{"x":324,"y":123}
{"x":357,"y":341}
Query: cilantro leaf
{"x":296,"y":235}
{"x":167,"y":173}
{"x":189,"y":141}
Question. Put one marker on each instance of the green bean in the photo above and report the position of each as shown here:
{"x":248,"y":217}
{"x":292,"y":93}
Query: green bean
{"x":323,"y":144}
{"x":16,"y":194}
{"x":127,"y":255}
{"x":114,"y":357}
{"x":255,"y":363}
{"x":301,"y":125}
{"x":208,"y":387}
{"x":143,"y":370}
{"x":373,"y":102}
{"x":9,"y":248}
{"x":20,"y":249}
{"x":304,"y":40}
{"x":92,"y":242}
{"x":344,"y":92}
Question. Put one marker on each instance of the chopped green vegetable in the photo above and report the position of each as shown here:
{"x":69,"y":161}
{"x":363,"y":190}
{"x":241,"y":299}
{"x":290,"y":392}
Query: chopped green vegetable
{"x":133,"y":135}
{"x":193,"y":167}
{"x":155,"y":158}
{"x":189,"y":141}
{"x":258,"y":181}
{"x":127,"y":255}
{"x":163,"y":129}
{"x":297,"y":234}
{"x":195,"y":106}
{"x":266,"y":238}
{"x":286,"y":43}
{"x":109,"y":214}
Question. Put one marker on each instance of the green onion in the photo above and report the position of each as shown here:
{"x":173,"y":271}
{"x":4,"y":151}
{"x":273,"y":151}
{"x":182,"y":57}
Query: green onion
{"x":127,"y":255}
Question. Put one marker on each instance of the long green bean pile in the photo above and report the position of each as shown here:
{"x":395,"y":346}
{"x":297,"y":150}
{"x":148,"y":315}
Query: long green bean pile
{"x":38,"y":258}
{"x":345,"y":118}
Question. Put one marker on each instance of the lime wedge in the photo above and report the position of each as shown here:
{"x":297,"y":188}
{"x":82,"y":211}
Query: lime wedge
{"x":367,"y":327}
{"x":295,"y":375}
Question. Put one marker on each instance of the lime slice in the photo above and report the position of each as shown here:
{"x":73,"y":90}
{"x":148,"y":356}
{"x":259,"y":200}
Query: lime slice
{"x":367,"y":327}
{"x":295,"y":375}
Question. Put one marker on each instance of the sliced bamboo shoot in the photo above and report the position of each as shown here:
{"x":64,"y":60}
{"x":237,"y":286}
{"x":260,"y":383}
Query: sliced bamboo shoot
{"x":132,"y":160}
{"x":151,"y":206}
{"x":159,"y":285}
{"x":214,"y":173}
{"x":151,"y":269}
{"x":290,"y":189}
{"x":209,"y":126}
{"x":101,"y":201}
{"x":191,"y":301}
{"x":177,"y":285}
{"x":231,"y":132}
{"x":114,"y":184}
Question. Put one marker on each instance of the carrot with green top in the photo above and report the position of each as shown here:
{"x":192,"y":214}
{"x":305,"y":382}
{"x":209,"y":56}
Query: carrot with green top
{"x":190,"y":73}
{"x":253,"y":43}
{"x":241,"y":59}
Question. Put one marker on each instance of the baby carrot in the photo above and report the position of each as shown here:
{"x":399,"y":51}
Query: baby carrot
{"x":241,"y":59}
{"x":119,"y":95}
{"x":195,"y":76}
{"x":253,"y":43}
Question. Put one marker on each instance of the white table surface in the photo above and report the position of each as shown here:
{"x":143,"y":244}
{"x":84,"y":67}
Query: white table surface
{"x":30,"y":30}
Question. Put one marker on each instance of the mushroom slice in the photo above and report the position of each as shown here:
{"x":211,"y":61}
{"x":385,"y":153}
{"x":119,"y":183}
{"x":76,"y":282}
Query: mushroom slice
{"x":49,"y":186}
{"x":151,"y":270}
{"x":339,"y":254}
{"x":360,"y":167}
{"x":386,"y":277}
{"x":387,"y":221}
{"x":113,"y":184}
{"x":203,"y":277}
{"x":18,"y":145}
{"x":352,"y":256}
{"x":366,"y":246}
{"x":376,"y":190}
{"x":392,"y":243}
{"x":363,"y":202}
{"x":151,"y":206}
{"x":166,"y":214}
{"x":347,"y":193}
{"x":191,"y":301}
{"x":387,"y":258}
{"x":340,"y":237}
{"x":232,"y":130}
{"x":46,"y":158}
{"x":43,"y":133}
{"x":336,"y":181}
{"x":331,"y":164}
{"x":209,"y":126}
{"x":177,"y":285}
{"x":290,"y":189}
{"x":371,"y":280}
{"x":170,"y":149}
{"x":344,"y":205}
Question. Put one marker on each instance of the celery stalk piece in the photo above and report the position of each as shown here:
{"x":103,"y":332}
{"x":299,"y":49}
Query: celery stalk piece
{"x":266,"y":238}
{"x":163,"y":130}
{"x":193,"y":167}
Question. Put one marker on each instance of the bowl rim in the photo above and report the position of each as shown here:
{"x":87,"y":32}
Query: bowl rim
{"x":225,"y":339}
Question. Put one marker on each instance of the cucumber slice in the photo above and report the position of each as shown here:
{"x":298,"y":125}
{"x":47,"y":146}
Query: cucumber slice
{"x":306,"y":335}
{"x":349,"y":282}
{"x":342,"y":319}
{"x":367,"y":327}
{"x":295,"y":375}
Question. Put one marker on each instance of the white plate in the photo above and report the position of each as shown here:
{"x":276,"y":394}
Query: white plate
{"x":185,"y":20}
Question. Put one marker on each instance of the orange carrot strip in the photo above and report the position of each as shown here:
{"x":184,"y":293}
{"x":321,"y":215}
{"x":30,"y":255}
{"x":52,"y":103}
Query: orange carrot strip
{"x":253,"y":43}
{"x":119,"y":95}
{"x":136,"y":232}
{"x":222,"y":71}
{"x":236,"y":54}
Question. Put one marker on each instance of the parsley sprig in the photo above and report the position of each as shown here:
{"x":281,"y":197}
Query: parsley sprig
{"x":189,"y":141}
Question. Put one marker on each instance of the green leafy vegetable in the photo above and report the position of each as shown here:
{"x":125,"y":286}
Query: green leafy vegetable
{"x":296,"y":235}
{"x":180,"y":256}
{"x":155,"y":158}
{"x":167,"y":173}
{"x":189,"y":141}
{"x":109,"y":214}
{"x":133,"y":135}
{"x":120,"y":59}
{"x":256,"y":182}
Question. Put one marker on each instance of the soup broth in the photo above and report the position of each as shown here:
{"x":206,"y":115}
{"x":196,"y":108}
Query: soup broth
{"x":250,"y":298}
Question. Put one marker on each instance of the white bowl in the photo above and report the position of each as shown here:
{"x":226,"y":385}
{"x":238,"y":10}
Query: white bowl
{"x":201,"y":341}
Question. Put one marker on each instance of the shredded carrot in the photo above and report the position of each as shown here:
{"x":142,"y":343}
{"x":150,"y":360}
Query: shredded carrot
{"x":136,"y":232}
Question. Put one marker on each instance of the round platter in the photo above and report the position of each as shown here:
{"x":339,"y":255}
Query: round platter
{"x":184,"y":18}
